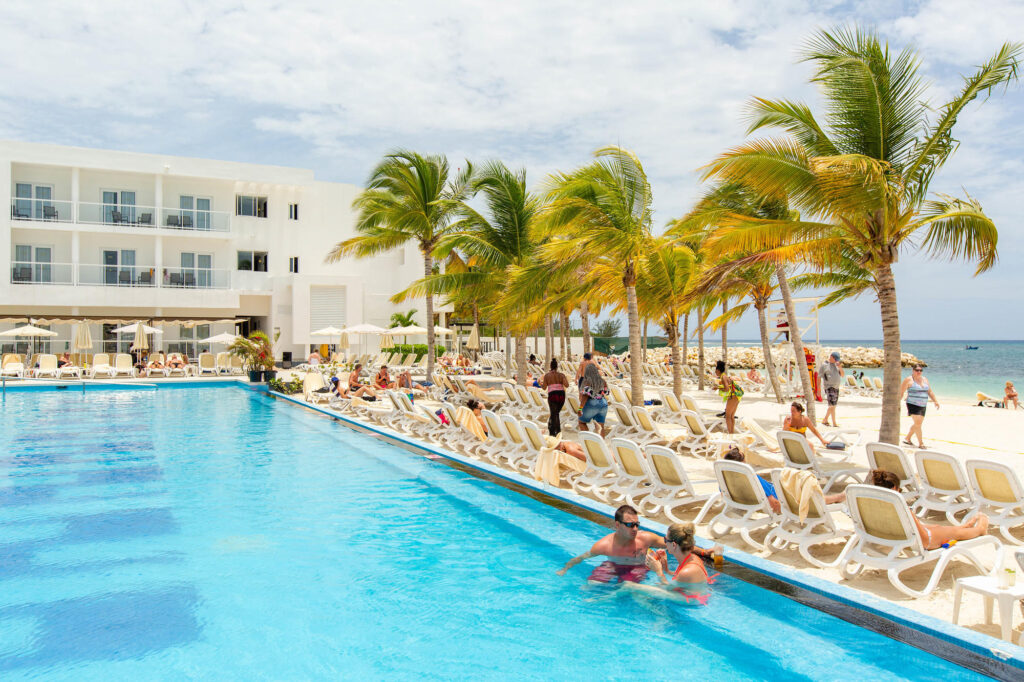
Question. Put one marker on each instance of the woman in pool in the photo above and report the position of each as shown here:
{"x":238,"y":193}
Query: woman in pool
{"x":690,"y":578}
{"x":798,"y":423}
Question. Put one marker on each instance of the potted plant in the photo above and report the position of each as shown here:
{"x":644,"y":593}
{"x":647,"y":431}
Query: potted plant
{"x":257,"y":356}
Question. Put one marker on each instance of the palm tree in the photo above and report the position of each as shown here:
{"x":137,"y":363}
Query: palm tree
{"x":406,"y":319}
{"x":662,"y":293}
{"x":865,"y":174}
{"x":495,"y":243}
{"x":603,"y":212}
{"x":409,"y":197}
{"x":729,"y":203}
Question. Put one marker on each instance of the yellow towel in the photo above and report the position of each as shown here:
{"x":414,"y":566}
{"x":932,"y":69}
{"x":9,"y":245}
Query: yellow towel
{"x":479,"y":394}
{"x":468,"y":421}
{"x":800,"y":484}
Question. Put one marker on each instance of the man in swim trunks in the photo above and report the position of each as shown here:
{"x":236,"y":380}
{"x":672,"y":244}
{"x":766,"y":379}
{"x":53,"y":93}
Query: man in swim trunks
{"x":626,"y":549}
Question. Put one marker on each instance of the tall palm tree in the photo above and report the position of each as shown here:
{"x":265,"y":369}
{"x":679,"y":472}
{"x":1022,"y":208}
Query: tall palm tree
{"x":409,"y":197}
{"x":495,"y":242}
{"x":604,"y":211}
{"x":662,"y":292}
{"x":865,"y":174}
{"x":731,"y":203}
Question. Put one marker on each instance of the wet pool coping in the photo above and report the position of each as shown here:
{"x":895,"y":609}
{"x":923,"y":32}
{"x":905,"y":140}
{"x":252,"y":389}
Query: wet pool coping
{"x":968,"y":648}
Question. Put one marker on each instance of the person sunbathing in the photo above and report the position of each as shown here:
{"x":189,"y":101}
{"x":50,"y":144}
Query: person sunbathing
{"x":405,"y":381}
{"x":353,"y":379}
{"x":383,"y":380}
{"x":798,"y":423}
{"x":476,"y":408}
{"x":364,"y":392}
{"x":934,"y":535}
{"x":314,"y":359}
{"x":571,"y":449}
{"x":176,"y":362}
{"x":463,"y":361}
{"x":734,"y":455}
{"x":1011,"y":396}
{"x":755,"y":376}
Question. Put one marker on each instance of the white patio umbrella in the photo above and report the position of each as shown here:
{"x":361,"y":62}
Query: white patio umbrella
{"x":473,"y":342}
{"x":28,"y":331}
{"x":363,"y":330}
{"x":330,"y":332}
{"x":441,"y":331}
{"x":132,"y":328}
{"x":406,"y":332}
{"x":83,"y":336}
{"x":225,"y":338}
{"x":141,"y":341}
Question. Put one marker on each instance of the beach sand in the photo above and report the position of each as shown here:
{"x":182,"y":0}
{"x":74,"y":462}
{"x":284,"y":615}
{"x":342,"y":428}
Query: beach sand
{"x":958,"y":428}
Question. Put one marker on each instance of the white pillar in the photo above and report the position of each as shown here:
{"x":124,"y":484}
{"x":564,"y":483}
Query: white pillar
{"x":76,"y":248}
{"x":158,"y":199}
{"x":158,"y":260}
{"x":76,"y":187}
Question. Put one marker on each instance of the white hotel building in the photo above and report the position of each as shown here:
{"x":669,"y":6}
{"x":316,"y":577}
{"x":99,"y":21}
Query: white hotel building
{"x":197,"y":247}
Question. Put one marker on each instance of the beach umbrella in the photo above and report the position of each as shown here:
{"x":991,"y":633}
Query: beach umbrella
{"x":408,"y":331}
{"x":330,"y":332}
{"x":386,"y":341}
{"x":83,"y":336}
{"x":363,"y":330}
{"x":28,"y":331}
{"x":225,"y":338}
{"x":441,"y":331}
{"x":473,"y":342}
{"x":141,"y":341}
{"x":132,"y":327}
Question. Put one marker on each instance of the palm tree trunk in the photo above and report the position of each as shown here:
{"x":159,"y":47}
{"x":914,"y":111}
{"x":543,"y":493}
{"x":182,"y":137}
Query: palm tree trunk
{"x":564,"y":335}
{"x":585,"y":321}
{"x":725,"y":338}
{"x":700,"y":349}
{"x":428,"y":266}
{"x":635,"y":378}
{"x":686,"y":334}
{"x":476,"y":325}
{"x":797,"y":342}
{"x":508,"y":353}
{"x":645,"y":339}
{"x":677,"y":369}
{"x":521,"y":359}
{"x":889,"y":432}
{"x":766,"y":348}
{"x":549,"y":343}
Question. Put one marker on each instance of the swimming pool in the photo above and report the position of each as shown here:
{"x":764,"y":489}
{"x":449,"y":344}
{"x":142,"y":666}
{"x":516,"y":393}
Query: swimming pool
{"x":215,"y":532}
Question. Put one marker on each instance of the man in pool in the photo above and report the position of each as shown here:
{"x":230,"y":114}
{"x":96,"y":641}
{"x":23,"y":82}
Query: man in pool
{"x":625,"y":549}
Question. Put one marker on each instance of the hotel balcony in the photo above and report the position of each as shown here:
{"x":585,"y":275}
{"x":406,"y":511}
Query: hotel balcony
{"x":123,"y":276}
{"x":129,"y":218}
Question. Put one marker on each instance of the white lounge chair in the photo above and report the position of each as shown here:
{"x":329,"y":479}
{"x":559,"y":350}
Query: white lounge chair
{"x":634,"y":479}
{"x":12,"y":366}
{"x":886,"y":538}
{"x":817,"y":527}
{"x":711,"y":419}
{"x":944,"y":486}
{"x":100,"y":366}
{"x":671,"y":486}
{"x":182,"y":371}
{"x":123,"y":366}
{"x":47,"y":366}
{"x":207,"y":364}
{"x":999,"y":495}
{"x":799,"y":454}
{"x":744,"y":504}
{"x":675,"y":436}
{"x":312,"y":385}
{"x":891,"y":458}
{"x":601,"y":474}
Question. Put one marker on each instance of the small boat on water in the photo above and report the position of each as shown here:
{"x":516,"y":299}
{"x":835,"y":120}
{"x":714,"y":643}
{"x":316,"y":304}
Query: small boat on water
{"x":971,"y":347}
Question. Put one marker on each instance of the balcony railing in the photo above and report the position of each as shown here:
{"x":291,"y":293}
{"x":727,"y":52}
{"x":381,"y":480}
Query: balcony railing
{"x":23,"y":272}
{"x":92,"y":274}
{"x":133,"y":216}
{"x":47,"y":210}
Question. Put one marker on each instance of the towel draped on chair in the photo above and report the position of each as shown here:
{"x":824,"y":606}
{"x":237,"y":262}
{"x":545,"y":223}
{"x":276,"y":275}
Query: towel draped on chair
{"x":801,"y":485}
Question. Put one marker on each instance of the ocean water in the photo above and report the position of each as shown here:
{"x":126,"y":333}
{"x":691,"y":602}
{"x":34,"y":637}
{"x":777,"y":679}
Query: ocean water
{"x":953,"y":372}
{"x":212,"y":533}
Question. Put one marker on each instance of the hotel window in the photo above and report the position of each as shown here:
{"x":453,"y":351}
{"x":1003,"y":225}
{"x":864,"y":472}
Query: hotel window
{"x":253,"y":261}
{"x":293,"y":264}
{"x":293,"y":211}
{"x":251,"y":206}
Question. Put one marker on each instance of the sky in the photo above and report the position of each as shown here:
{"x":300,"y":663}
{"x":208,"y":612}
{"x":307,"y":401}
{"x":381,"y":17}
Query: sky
{"x":333,"y":86}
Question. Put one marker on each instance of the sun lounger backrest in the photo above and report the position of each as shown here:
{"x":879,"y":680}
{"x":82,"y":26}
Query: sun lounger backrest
{"x":786,"y":497}
{"x":878,"y":383}
{"x":669,"y":398}
{"x":643,"y":419}
{"x":694,"y":423}
{"x":512,"y":430}
{"x":940,"y":471}
{"x":47,"y":362}
{"x":622,"y":412}
{"x":596,"y":450}
{"x":851,"y":381}
{"x":207,"y":361}
{"x":101,"y":359}
{"x":574,"y":402}
{"x":737,"y":483}
{"x":510,"y":393}
{"x":630,"y":459}
{"x":122,"y":361}
{"x":879,"y":515}
{"x":663,"y":464}
{"x":890,"y":458}
{"x":994,"y":482}
{"x":494,"y":427}
{"x":795,"y":448}
{"x":533,"y":435}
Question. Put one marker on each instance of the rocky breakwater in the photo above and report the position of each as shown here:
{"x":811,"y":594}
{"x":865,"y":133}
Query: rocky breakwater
{"x":752,"y":356}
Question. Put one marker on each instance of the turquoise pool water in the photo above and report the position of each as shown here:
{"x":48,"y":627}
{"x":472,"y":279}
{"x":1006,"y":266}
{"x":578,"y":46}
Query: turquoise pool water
{"x":214,"y":533}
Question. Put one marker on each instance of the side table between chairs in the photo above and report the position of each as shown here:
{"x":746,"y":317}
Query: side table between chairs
{"x":988,"y":587}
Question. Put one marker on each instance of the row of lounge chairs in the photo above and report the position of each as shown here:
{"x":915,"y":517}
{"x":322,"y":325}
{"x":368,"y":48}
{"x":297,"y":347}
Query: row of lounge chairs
{"x":100,"y":366}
